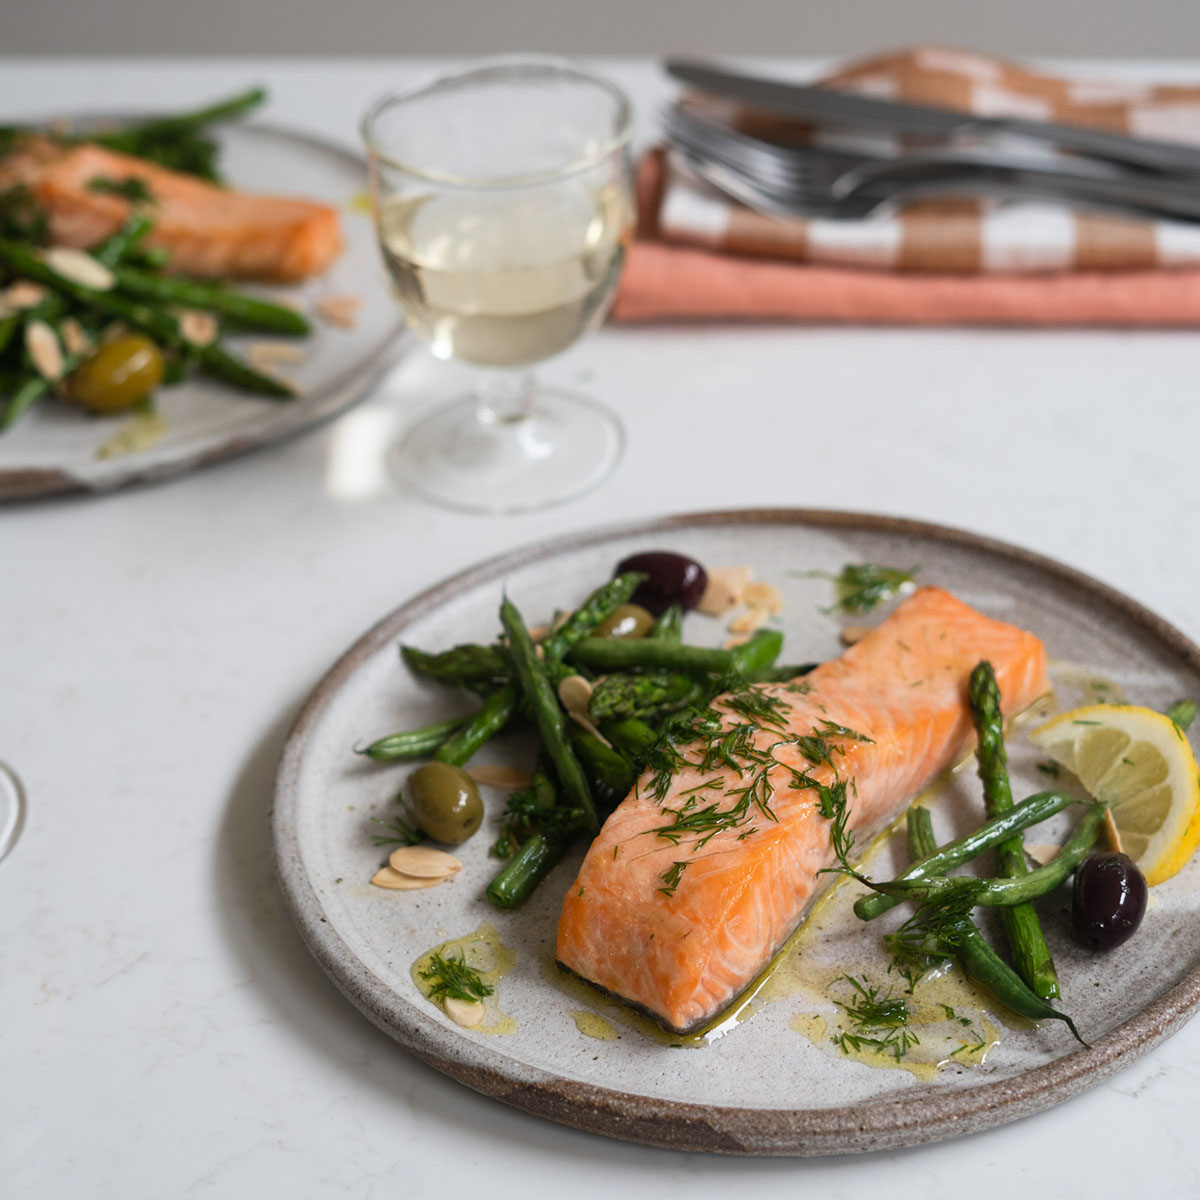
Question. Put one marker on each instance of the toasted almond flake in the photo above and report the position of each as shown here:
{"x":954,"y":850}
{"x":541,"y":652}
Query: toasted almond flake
{"x":1112,"y":832}
{"x":561,"y":618}
{"x":540,"y":652}
{"x":79,"y":267}
{"x":760,"y":594}
{"x":583,"y":721}
{"x":339,"y":310}
{"x":270,"y":354}
{"x":538,"y":633}
{"x":385,"y":877}
{"x":467,"y":1013}
{"x":75,"y":337}
{"x":854,"y":633}
{"x":199,"y":328}
{"x":424,"y":862}
{"x":1042,"y":852}
{"x":42,"y":343}
{"x":738,"y":639}
{"x":724,"y":591}
{"x":575,"y":692}
{"x":22,"y":294}
{"x":498,"y":775}
{"x":749,"y":621}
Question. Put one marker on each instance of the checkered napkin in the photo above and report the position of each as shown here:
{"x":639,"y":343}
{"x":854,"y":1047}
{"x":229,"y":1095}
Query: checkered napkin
{"x":949,"y":260}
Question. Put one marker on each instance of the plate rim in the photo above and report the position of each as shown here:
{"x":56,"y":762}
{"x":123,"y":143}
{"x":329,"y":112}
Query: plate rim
{"x":866,"y":1125}
{"x":19,"y":484}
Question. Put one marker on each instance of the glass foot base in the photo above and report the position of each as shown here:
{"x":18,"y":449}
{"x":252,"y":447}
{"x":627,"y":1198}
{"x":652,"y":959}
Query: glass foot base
{"x":12,"y":808}
{"x":566,"y":447}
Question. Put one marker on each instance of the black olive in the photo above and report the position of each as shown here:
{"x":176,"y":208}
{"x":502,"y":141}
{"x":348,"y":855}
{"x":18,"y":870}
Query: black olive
{"x":670,"y":579}
{"x":1108,"y":901}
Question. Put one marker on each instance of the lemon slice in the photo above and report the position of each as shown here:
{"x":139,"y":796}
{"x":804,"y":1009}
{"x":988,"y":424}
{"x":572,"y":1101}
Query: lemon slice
{"x":1139,"y":763}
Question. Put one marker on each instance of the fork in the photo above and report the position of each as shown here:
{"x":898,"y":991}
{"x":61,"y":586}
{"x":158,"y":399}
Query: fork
{"x":812,"y":181}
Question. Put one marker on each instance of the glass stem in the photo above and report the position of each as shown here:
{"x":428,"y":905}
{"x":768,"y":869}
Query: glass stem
{"x":504,"y":397}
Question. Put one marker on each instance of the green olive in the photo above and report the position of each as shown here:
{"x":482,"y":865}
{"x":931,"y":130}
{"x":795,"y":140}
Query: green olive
{"x":628,"y":621}
{"x":445,"y":802}
{"x":118,"y":375}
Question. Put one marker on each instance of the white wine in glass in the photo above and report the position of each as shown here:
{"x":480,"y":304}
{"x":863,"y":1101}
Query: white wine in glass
{"x":503,"y":201}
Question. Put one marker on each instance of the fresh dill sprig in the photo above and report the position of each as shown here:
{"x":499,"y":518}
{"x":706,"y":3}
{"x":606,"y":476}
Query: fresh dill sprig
{"x":860,"y":587}
{"x":132,"y":188}
{"x":880,"y":1021}
{"x":451,"y":979}
{"x":400,"y":833}
{"x":671,"y":877}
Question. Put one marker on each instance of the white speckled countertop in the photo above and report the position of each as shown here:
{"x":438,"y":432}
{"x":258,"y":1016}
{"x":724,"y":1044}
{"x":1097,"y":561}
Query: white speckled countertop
{"x":165,"y":1031}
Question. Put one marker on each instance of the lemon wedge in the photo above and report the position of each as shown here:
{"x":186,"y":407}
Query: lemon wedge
{"x":1139,"y":763}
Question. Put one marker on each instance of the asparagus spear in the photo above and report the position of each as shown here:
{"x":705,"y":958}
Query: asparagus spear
{"x":614,"y":654}
{"x":1031,"y":955}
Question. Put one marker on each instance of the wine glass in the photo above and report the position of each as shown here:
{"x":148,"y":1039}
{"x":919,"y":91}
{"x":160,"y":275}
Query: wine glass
{"x":503,"y":202}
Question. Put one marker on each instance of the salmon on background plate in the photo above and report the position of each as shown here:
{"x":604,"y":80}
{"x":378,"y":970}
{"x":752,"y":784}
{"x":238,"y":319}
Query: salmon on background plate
{"x":209,"y":231}
{"x":705,"y":870}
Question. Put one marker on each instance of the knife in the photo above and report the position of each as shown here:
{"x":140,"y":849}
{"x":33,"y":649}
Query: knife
{"x":828,"y":106}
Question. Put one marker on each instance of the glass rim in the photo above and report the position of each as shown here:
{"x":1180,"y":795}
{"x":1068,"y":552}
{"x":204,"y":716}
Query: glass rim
{"x":562,"y":66}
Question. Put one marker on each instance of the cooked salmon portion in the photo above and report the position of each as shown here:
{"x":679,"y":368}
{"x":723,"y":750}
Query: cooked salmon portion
{"x":209,"y":231}
{"x":869,"y":729}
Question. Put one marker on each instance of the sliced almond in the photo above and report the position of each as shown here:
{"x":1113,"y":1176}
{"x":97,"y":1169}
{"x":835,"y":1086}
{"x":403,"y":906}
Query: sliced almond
{"x":23,"y":294}
{"x":1112,"y":832}
{"x":760,"y":594}
{"x":42,"y":343}
{"x":270,"y":354}
{"x":500,"y":776}
{"x":385,"y":877}
{"x":575,"y":692}
{"x":79,"y":267}
{"x":749,"y":621}
{"x":581,"y":720}
{"x":854,"y":633}
{"x":467,"y":1013}
{"x":732,"y":643}
{"x":725,"y":588}
{"x":538,"y":633}
{"x":199,"y":328}
{"x":340,"y":310}
{"x":424,"y":862}
{"x":75,"y":337}
{"x":1042,"y":852}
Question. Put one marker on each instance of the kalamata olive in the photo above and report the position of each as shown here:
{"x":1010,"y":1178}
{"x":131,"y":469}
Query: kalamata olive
{"x":445,"y":802}
{"x":670,"y":579}
{"x":118,"y":375}
{"x":1108,"y":901}
{"x":627,"y":621}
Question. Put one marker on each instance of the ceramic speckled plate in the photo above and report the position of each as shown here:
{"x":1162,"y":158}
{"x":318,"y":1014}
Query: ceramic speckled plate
{"x":54,"y":448}
{"x":762,"y":1088}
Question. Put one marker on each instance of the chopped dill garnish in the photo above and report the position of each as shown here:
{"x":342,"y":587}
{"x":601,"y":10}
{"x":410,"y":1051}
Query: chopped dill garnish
{"x":132,"y":188}
{"x":1182,"y":713}
{"x":859,"y":587}
{"x":451,"y":979}
{"x":671,"y":877}
{"x":880,"y":1021}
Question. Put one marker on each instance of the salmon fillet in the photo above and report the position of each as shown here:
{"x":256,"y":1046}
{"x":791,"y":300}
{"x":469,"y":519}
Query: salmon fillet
{"x":209,"y":231}
{"x":683,"y":942}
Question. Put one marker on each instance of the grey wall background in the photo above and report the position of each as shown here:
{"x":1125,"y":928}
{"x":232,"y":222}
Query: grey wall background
{"x":1111,"y":28}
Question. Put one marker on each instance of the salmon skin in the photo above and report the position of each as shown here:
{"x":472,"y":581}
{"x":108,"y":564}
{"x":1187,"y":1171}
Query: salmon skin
{"x":209,"y":231}
{"x":706,"y":869}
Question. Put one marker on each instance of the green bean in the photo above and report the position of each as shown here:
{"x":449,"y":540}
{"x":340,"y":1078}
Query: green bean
{"x":412,"y":743}
{"x":632,"y":737}
{"x":513,"y":883}
{"x":783,"y":674}
{"x":1029,"y":812}
{"x":496,"y":712}
{"x":919,"y":827}
{"x":610,"y":775}
{"x":220,"y":364}
{"x":669,"y":626}
{"x":986,"y":967}
{"x":22,"y":400}
{"x":9,"y":327}
{"x":250,"y":312}
{"x":465,"y":664}
{"x":1004,"y":893}
{"x":616,"y":654}
{"x":535,"y":685}
{"x":124,"y":242}
{"x":1030,"y":954}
